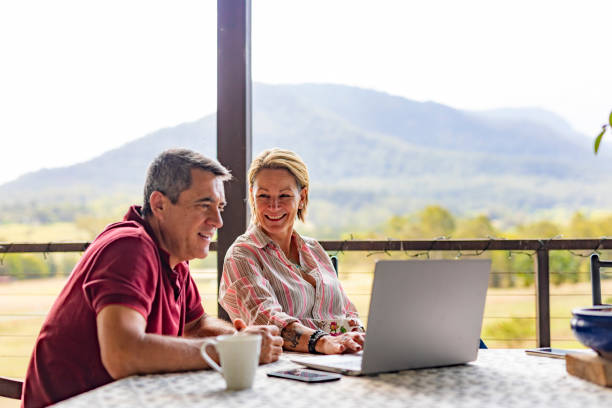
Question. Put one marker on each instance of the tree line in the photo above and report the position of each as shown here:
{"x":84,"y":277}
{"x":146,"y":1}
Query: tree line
{"x":431,"y":222}
{"x":509,"y":268}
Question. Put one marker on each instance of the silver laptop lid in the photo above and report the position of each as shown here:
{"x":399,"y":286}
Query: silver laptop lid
{"x":425,"y":314}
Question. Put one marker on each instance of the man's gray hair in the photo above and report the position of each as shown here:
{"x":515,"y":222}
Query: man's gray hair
{"x":170,"y":174}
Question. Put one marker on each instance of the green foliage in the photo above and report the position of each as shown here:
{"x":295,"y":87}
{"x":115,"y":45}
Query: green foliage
{"x":538,"y":230}
{"x":476,"y":227}
{"x":25,"y":266}
{"x":598,"y":139}
{"x":513,"y":328}
{"x":210,"y":262}
{"x":580,"y":226}
{"x":564,"y":267}
{"x":57,"y":205}
{"x":92,"y":225}
{"x":54,"y":232}
{"x":64,"y":262}
{"x":436,"y":221}
{"x":29,"y":266}
{"x":600,"y":135}
{"x":431,"y":222}
{"x":509,"y":269}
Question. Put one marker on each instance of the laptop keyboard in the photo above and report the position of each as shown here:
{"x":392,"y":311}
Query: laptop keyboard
{"x":354,"y":365}
{"x":342,"y":361}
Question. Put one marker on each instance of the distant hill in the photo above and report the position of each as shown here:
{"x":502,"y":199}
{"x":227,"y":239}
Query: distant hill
{"x":370,"y":155}
{"x":535,"y":115}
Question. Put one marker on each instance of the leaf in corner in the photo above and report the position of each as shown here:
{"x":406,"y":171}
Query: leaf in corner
{"x":610,"y":119}
{"x":598,"y":138}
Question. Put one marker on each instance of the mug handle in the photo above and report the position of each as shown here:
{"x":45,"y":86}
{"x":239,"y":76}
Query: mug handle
{"x":205,"y":356}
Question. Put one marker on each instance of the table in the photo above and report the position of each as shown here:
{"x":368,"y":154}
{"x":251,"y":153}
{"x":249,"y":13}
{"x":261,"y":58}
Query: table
{"x":499,"y":378}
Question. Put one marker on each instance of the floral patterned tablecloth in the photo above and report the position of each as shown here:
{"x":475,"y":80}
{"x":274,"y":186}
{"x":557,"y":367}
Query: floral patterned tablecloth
{"x":499,"y":378}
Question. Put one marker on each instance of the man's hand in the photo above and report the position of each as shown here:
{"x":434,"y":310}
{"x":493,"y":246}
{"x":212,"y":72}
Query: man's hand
{"x":271,"y":342}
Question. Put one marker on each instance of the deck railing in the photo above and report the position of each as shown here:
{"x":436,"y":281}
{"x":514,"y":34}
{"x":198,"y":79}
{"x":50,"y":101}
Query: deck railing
{"x":540,"y":248}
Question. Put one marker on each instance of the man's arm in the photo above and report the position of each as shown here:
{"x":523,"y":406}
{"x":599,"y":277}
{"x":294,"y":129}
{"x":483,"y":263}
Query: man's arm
{"x":271,"y":342}
{"x":208,"y":326}
{"x":126,"y":348}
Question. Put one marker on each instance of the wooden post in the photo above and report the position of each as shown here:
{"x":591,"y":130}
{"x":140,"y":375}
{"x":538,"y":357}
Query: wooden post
{"x":542,"y":298}
{"x":233,"y":117}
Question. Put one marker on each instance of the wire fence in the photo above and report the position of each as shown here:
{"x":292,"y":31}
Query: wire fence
{"x":513,"y":313}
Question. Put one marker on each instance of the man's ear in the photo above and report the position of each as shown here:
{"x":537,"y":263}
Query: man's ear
{"x":157,"y":201}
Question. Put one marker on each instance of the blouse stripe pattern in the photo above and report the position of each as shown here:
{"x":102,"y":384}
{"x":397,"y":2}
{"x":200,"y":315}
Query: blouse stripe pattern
{"x":262,"y":286}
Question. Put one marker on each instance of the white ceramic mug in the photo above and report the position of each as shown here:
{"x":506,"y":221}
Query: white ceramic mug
{"x":239,"y":355}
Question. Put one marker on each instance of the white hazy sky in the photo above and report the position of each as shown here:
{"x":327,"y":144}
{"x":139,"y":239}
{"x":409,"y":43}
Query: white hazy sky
{"x":80,"y":77}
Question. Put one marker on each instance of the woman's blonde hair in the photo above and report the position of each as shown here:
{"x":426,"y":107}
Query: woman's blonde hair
{"x":281,"y":159}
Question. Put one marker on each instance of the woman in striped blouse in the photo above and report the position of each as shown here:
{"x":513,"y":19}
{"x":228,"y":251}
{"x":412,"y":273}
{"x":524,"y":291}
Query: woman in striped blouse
{"x":272,"y":275}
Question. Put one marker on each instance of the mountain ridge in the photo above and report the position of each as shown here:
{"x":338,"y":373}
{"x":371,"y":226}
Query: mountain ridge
{"x":369,"y":148}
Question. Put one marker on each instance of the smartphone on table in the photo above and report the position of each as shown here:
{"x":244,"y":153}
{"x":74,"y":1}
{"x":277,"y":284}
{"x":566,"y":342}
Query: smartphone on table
{"x":305,"y":374}
{"x":548,"y":352}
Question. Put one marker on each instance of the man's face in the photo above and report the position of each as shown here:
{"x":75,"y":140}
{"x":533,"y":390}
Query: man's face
{"x":187,"y":227}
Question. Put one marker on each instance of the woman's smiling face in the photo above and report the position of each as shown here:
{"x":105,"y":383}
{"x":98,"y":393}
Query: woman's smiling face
{"x":277,"y":198}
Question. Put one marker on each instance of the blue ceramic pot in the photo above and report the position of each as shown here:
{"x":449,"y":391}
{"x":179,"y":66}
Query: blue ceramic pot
{"x":592,"y":326}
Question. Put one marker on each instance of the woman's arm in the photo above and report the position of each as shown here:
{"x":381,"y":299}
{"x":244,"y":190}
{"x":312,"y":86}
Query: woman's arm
{"x":296,"y":337}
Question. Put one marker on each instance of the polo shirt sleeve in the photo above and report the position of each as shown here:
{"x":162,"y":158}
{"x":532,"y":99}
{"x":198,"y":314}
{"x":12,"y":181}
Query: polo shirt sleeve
{"x":124,"y":273}
{"x":245,"y":293}
{"x":194,"y":302}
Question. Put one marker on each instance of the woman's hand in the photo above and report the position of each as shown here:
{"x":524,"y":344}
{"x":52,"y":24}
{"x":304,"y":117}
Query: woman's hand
{"x":351,"y":342}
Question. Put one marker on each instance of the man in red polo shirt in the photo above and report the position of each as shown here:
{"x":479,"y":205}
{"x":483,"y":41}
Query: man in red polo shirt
{"x":130,"y":305}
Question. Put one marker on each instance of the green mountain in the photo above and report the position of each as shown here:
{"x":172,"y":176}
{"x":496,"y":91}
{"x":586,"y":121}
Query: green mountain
{"x":370,"y":155}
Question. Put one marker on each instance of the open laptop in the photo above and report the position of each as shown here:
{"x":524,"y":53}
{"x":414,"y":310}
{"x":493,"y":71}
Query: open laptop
{"x":422,"y":314}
